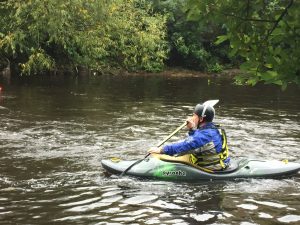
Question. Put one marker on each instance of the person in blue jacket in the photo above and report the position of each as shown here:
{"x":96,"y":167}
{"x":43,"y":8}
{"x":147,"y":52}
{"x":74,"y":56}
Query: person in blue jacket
{"x":206,"y":144}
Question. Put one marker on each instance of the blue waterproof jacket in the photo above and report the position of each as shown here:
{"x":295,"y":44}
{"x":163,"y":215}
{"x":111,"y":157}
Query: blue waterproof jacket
{"x":196,"y":139}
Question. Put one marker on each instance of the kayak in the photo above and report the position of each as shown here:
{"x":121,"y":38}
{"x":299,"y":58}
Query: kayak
{"x":164,"y":167}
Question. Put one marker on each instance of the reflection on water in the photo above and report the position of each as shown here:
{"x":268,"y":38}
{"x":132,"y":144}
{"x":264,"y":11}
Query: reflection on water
{"x":146,"y":202}
{"x":54,"y":134}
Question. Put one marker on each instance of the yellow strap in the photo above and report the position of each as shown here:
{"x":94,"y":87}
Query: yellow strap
{"x":224,"y":144}
{"x":208,"y":163}
{"x":208,"y":156}
{"x":193,"y":159}
{"x":224,"y":154}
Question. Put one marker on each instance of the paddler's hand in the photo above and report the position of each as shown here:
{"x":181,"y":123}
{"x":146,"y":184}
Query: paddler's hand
{"x":190,"y":123}
{"x":156,"y":150}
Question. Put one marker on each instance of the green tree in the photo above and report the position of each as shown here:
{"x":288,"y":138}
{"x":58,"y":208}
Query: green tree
{"x":192,"y":42}
{"x":137,"y":36}
{"x":265,"y":33}
{"x":41,"y":35}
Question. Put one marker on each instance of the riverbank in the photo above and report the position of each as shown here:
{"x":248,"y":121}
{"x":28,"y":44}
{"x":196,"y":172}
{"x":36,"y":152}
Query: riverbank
{"x":168,"y":72}
{"x":181,"y":72}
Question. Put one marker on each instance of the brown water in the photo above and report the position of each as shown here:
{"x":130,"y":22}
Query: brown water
{"x":53,"y":134}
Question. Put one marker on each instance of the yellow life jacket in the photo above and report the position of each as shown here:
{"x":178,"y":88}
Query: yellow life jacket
{"x":208,"y":157}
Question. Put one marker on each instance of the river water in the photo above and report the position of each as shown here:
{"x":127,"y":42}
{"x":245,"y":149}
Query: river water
{"x":54,"y":132}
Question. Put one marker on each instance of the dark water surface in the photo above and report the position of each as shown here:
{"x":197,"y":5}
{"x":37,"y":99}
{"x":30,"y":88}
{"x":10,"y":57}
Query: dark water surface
{"x":53,"y":134}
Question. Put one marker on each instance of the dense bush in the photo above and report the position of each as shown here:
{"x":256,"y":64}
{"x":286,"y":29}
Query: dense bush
{"x":192,"y":42}
{"x":41,"y":35}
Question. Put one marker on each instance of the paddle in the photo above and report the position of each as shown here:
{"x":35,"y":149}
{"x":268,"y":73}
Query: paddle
{"x":160,"y":144}
{"x":207,"y":103}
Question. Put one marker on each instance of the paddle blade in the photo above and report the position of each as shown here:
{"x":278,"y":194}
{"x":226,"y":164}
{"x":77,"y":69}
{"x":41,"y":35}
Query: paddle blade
{"x":211,"y":102}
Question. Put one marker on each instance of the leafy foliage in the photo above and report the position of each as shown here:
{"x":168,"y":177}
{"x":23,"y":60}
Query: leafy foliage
{"x":192,"y":42}
{"x":138,"y":42}
{"x":48,"y":34}
{"x":265,"y":33}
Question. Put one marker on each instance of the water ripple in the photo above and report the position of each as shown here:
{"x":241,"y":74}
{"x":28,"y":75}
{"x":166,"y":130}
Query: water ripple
{"x":52,"y":141}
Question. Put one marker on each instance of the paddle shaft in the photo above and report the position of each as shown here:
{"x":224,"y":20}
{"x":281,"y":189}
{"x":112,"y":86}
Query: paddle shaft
{"x":159,"y":145}
{"x":171,"y":135}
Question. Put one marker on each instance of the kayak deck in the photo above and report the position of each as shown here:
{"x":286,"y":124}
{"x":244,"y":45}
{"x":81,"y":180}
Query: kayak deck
{"x":164,"y":167}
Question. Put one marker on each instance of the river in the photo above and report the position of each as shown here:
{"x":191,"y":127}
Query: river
{"x":54,"y":132}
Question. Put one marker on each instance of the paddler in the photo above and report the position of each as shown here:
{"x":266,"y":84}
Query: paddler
{"x":206,"y":143}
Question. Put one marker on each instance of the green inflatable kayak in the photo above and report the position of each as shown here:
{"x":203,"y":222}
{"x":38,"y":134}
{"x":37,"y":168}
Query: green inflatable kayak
{"x":165,"y":167}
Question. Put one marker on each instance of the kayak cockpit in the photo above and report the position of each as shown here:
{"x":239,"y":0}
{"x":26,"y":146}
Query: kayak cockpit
{"x":185,"y":159}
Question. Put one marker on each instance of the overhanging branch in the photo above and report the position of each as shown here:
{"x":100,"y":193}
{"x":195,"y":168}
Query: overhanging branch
{"x":285,"y":11}
{"x":249,"y":19}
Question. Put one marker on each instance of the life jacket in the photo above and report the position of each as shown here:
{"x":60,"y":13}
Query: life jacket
{"x":206,"y":156}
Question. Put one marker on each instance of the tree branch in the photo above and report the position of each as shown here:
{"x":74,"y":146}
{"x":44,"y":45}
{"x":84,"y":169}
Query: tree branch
{"x":279,"y":19}
{"x":249,"y":19}
{"x":248,"y":8}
